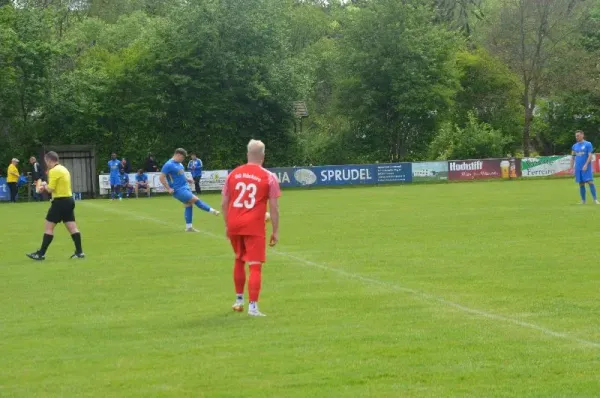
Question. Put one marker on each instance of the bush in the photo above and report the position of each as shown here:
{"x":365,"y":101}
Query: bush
{"x":477,"y":140}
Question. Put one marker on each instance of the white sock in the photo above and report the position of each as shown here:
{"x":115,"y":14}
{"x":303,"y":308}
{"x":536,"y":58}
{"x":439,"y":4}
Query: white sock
{"x":253,"y":305}
{"x":239,"y":298}
{"x":188,"y":225}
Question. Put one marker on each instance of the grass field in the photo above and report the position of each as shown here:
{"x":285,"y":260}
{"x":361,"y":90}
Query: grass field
{"x":474,"y":289}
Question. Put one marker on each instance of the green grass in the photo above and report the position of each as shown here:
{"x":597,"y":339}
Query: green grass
{"x":475,"y":289}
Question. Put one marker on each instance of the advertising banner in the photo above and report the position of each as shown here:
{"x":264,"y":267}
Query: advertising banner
{"x":4,"y":192}
{"x":212,"y":180}
{"x":287,"y":178}
{"x":429,"y":171}
{"x":546,"y":166}
{"x":394,"y":173}
{"x":325,"y":175}
{"x":483,"y":169}
{"x":552,"y":166}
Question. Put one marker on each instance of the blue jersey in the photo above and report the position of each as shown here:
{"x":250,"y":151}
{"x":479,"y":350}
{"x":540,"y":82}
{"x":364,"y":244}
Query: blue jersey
{"x":115,"y":168}
{"x":581,"y":152}
{"x":141,"y":178}
{"x":124,"y":179}
{"x":175,"y":175}
{"x":195,"y":166}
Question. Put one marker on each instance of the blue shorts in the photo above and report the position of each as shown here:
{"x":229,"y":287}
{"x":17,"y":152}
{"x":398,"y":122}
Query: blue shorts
{"x":584,"y":176}
{"x":115,"y":181}
{"x":183,"y":195}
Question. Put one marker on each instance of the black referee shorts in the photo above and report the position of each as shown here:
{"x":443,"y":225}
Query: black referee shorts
{"x":61,"y":210}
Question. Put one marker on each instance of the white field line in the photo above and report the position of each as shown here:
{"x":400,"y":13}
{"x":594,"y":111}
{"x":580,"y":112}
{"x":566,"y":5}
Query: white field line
{"x":351,"y":275}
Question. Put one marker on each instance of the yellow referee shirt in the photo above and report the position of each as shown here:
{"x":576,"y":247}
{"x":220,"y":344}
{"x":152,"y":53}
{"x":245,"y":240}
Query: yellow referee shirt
{"x":59,"y":180}
{"x":13,"y":173}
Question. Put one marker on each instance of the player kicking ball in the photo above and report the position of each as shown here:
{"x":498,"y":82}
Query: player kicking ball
{"x":246,"y":193}
{"x":582,"y":155}
{"x":176,"y":183}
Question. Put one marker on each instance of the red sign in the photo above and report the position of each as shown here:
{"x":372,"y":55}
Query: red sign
{"x":483,"y":169}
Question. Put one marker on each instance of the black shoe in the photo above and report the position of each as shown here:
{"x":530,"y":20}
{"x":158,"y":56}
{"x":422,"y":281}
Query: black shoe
{"x":78,"y":255}
{"x":36,"y":256}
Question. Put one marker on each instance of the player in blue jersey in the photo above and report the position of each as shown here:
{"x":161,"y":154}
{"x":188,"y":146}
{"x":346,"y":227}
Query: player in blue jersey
{"x":195,"y":167}
{"x":125,"y":187}
{"x":114,"y":167}
{"x":582,"y":155}
{"x":174,"y":180}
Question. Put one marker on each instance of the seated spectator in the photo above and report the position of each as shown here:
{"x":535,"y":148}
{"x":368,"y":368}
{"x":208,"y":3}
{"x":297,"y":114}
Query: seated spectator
{"x":141,"y":183}
{"x":126,"y":188}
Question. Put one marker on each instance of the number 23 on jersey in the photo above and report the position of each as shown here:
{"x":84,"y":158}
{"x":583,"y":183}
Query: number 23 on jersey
{"x":245,"y":195}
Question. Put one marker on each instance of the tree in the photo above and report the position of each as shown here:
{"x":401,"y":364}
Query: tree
{"x":532,"y":37}
{"x":477,"y":140}
{"x":491,"y":91}
{"x":399,"y":79}
{"x":560,"y":116}
{"x":27,"y":54}
{"x":459,"y":14}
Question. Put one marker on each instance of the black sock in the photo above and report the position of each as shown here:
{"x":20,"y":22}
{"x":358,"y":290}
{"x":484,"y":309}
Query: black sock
{"x":45,"y":243}
{"x":77,"y":240}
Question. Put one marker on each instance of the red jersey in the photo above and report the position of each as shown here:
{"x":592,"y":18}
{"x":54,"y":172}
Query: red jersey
{"x":249,"y":188}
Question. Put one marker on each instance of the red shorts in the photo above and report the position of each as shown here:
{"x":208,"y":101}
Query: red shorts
{"x":249,"y":248}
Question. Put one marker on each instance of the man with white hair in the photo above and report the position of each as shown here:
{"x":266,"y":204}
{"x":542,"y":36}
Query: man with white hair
{"x":246,"y":193}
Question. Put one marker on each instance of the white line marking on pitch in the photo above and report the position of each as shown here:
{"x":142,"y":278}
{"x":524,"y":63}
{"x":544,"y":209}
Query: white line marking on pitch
{"x":350,"y":275}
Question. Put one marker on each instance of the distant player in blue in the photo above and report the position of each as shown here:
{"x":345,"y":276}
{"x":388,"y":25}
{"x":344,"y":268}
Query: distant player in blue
{"x":114,"y":167}
{"x":582,"y":155}
{"x":173,"y":178}
{"x":125,"y":182}
{"x":195,"y":167}
{"x":141,"y":182}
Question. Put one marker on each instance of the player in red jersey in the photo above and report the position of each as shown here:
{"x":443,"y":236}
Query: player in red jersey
{"x":246,"y":193}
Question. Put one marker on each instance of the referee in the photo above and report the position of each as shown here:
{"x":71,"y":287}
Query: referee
{"x":62,"y":208}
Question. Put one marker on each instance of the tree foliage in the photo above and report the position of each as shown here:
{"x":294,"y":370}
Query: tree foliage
{"x":476,"y":140}
{"x":383,"y":80}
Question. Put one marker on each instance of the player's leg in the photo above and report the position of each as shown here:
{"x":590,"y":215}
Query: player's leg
{"x":76,"y":236}
{"x":188,"y":215}
{"x":185,"y":196}
{"x":255,"y":247}
{"x":137,"y":189}
{"x":203,"y":206}
{"x":579,"y":180}
{"x":197,"y":185}
{"x":590,"y":182}
{"x":254,"y":284}
{"x":239,"y":272}
{"x":582,"y":192}
{"x":52,"y":218}
{"x":71,"y":225}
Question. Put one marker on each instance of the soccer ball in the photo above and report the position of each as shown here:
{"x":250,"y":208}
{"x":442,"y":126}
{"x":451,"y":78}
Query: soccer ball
{"x":267,"y":217}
